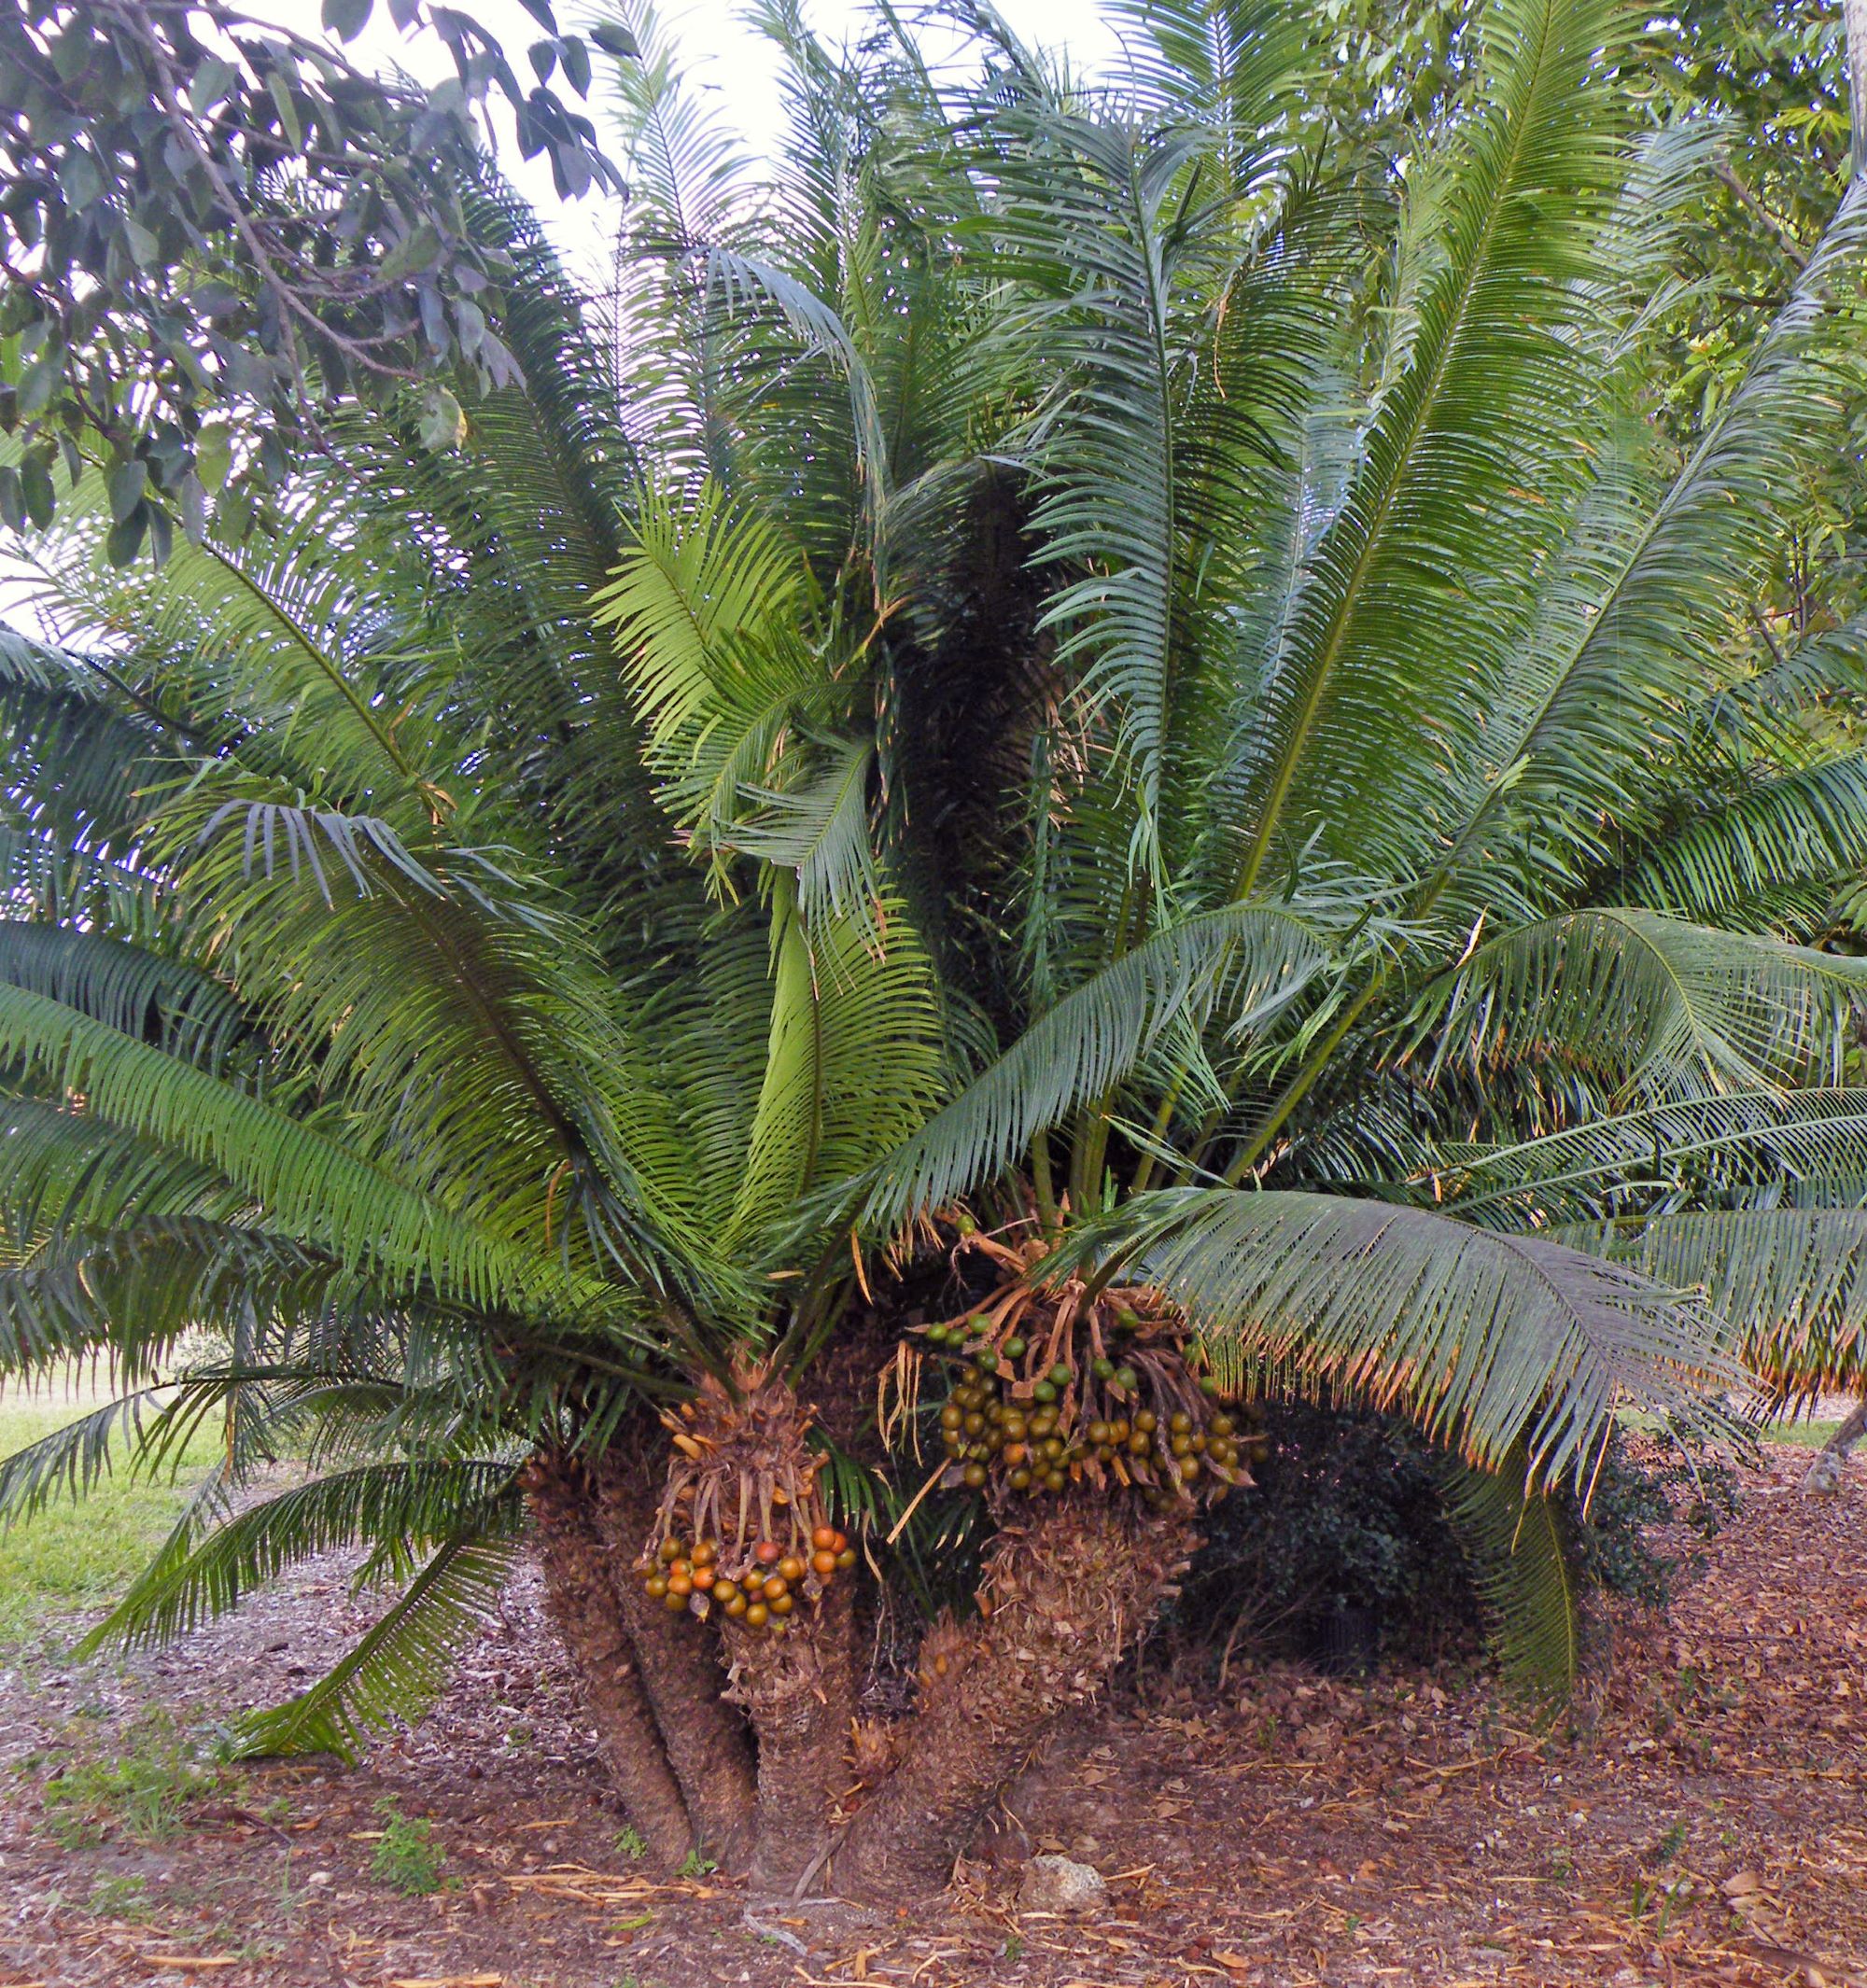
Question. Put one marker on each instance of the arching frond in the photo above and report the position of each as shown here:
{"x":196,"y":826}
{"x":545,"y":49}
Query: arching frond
{"x":312,"y":1184}
{"x":1808,"y":825}
{"x":71,"y":1460}
{"x":1247,"y":963}
{"x":156,"y":996}
{"x":1658,"y":1007}
{"x":1791,"y":1281}
{"x":1487,"y":1340}
{"x":133,"y":1294}
{"x":1520,"y":1560}
{"x":1404,"y":620}
{"x":401,"y":1664}
{"x":1624,"y":643}
{"x":711,"y":611}
{"x":854,"y":1062}
{"x":403,"y":1509}
{"x":1808,"y":1143}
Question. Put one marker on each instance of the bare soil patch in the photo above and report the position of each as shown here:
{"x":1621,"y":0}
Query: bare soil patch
{"x":1696,"y":1817}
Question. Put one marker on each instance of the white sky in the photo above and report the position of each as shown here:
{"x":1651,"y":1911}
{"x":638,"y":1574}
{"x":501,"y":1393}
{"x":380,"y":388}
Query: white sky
{"x":739,"y":63}
{"x":725,"y":55}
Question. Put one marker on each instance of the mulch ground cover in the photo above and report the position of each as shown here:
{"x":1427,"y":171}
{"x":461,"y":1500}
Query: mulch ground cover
{"x":1695,"y":1816}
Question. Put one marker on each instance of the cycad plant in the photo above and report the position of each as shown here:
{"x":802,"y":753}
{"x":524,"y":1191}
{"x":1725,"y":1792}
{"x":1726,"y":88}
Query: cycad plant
{"x":1009,"y":805}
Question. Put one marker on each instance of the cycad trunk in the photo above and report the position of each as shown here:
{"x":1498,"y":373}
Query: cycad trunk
{"x":1826,"y":1473}
{"x":1068,"y":1594}
{"x":799,"y":1692}
{"x":705,"y":1739}
{"x":582,"y":1597}
{"x":751,"y":1763}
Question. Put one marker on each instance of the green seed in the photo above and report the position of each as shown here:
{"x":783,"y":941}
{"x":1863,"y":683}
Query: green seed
{"x":1061,"y":1374}
{"x":1014,"y":1349}
{"x":1043,"y":1391}
{"x":1127,"y":1380}
{"x":985,"y":1360}
{"x":1104,"y":1369}
{"x":936,"y":1336}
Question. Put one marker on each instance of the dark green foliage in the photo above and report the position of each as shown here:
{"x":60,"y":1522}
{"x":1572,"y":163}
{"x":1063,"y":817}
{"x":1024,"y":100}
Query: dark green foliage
{"x":1348,"y":1512}
{"x":1358,"y":1513}
{"x":213,"y":224}
{"x":1646,"y":1484}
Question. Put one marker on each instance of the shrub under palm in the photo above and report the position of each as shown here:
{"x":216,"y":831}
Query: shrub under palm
{"x":984,"y":752}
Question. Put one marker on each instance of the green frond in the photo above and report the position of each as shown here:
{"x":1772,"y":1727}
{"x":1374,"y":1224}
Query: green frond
{"x":50,"y":875}
{"x":313,"y":1185}
{"x":1792,"y":1282}
{"x":1520,"y":1564}
{"x":1811,"y":1144}
{"x":71,"y":1460}
{"x":154,"y":997}
{"x":77,"y":748}
{"x":1627,"y":633}
{"x":820,"y":833}
{"x":526,"y":521}
{"x":854,"y":1062}
{"x":1656,"y":1007}
{"x":63,"y":1170}
{"x":1808,"y":825}
{"x":691,"y":187}
{"x":403,"y":1509}
{"x":133,"y":1294}
{"x":1487,"y":1340}
{"x":1177,"y":344}
{"x":1242,"y":965}
{"x":750,"y":283}
{"x":713,"y":616}
{"x":279,"y":622}
{"x":1405,"y":617}
{"x":401,"y":1665}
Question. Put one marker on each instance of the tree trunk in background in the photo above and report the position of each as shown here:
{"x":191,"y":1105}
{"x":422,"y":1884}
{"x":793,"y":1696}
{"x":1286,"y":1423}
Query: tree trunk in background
{"x":581,"y":1599}
{"x":705,"y":1739}
{"x":799,"y":1691}
{"x":1854,"y":22}
{"x":1825,"y":1473}
{"x":1069,"y":1593}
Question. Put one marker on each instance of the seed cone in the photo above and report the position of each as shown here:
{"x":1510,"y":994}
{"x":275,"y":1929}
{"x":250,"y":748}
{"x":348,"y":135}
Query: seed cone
{"x":1054,"y":1389}
{"x":741,"y":1528}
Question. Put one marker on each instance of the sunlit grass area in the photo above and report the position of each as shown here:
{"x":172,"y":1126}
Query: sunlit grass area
{"x":80,"y":1555}
{"x":1806,"y":1435}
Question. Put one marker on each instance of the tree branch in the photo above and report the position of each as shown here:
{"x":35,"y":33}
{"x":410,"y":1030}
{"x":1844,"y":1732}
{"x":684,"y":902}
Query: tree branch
{"x":1784,"y":234}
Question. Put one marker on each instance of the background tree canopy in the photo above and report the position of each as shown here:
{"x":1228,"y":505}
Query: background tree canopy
{"x":214,"y":226}
{"x":1087,"y":757}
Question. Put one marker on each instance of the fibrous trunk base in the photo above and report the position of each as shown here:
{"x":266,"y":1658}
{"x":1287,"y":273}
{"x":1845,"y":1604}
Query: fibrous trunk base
{"x":1068,"y":1594}
{"x":581,"y":1598}
{"x":705,"y":1739}
{"x":799,"y":1691}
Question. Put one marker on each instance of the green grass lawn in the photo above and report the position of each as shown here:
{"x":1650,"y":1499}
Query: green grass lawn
{"x":1810,"y":1435}
{"x":78,"y":1556}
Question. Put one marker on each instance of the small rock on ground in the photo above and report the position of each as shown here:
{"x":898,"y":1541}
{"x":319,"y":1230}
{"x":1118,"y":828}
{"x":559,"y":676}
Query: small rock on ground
{"x":1061,"y":1884}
